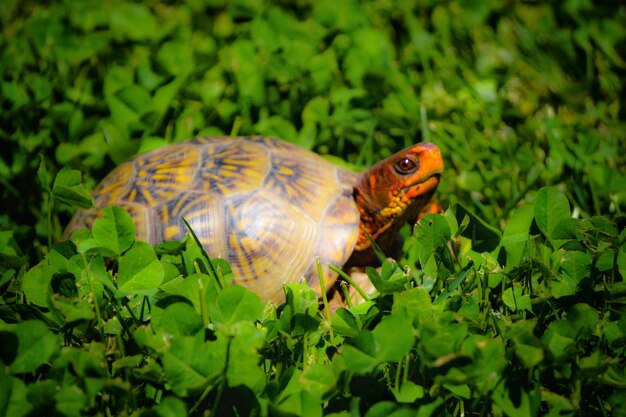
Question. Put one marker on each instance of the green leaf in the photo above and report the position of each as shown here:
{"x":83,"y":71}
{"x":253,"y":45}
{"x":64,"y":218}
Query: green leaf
{"x":323,"y":69}
{"x":70,"y":400}
{"x":36,"y":284}
{"x":414,"y":305}
{"x":102,"y":277}
{"x":128,"y":104}
{"x":11,"y":256}
{"x":235,"y":304}
{"x":317,"y":379}
{"x":487,"y":359}
{"x":68,"y":189}
{"x":394,"y":338}
{"x":345,"y":323}
{"x":584,"y":318}
{"x":529,"y":355}
{"x":113,"y":326}
{"x":165,"y":94}
{"x":621,"y":254}
{"x":484,"y":237}
{"x":136,"y":98}
{"x":178,"y":319}
{"x":431,"y":233}
{"x":516,"y":239}
{"x":431,"y":409}
{"x":615,"y":333}
{"x":13,"y":395}
{"x":551,"y":208}
{"x":515,"y":401}
{"x":171,"y":407}
{"x":390,"y":341}
{"x":14,"y":92}
{"x":34,"y":346}
{"x":516,"y":300}
{"x":461,"y":276}
{"x":126,"y":362}
{"x":359,"y":353}
{"x":44,"y":175}
{"x":190,"y":288}
{"x":559,"y":338}
{"x":391,"y":278}
{"x":558,"y":404}
{"x":147,"y":77}
{"x":190,"y":363}
{"x":575,"y":266}
{"x":120,"y":146}
{"x":301,"y":298}
{"x":409,"y":392}
{"x":240,"y":58}
{"x":140,"y":272}
{"x":243,"y":355}
{"x":462,"y":391}
{"x":300,"y":403}
{"x":176,"y":57}
{"x":276,"y":126}
{"x":388,"y":409}
{"x":133,"y":21}
{"x":114,"y":231}
{"x":41,"y":395}
{"x":74,"y":311}
{"x":527,"y":347}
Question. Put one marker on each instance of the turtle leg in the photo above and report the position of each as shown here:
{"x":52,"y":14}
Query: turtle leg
{"x":355,"y":267}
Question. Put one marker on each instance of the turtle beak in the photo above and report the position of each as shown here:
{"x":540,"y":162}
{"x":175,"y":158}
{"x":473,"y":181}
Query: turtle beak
{"x":431,"y":162}
{"x":426,"y":179}
{"x":425,"y":188}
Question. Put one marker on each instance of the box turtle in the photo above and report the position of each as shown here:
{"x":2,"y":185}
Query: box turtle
{"x":270,"y":208}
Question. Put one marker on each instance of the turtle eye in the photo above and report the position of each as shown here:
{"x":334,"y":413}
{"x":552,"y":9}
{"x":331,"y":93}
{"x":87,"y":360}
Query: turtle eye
{"x":405,"y":166}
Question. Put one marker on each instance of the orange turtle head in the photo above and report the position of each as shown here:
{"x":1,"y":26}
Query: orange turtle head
{"x":396,"y":190}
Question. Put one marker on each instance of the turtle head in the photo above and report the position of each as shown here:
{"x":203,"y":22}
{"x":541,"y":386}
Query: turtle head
{"x":395,"y":191}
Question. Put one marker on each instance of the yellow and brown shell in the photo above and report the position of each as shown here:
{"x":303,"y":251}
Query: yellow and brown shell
{"x":266,"y":206}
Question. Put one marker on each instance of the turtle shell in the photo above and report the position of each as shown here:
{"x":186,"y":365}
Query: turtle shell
{"x":268,"y":207}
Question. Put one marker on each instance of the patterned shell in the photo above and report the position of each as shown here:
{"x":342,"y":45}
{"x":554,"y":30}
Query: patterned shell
{"x":268,"y":207}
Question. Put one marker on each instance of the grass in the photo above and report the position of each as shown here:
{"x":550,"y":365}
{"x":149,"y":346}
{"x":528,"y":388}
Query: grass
{"x":525,"y":101}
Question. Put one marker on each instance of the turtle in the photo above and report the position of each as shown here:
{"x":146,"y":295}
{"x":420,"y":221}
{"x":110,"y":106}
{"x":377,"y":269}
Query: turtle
{"x":269,"y":207}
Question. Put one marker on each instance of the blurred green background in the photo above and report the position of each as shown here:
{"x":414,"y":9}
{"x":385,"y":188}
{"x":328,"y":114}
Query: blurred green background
{"x":517,"y":94}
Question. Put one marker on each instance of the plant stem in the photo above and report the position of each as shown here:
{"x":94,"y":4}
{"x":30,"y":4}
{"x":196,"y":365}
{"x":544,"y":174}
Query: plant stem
{"x":320,"y":275}
{"x":350,"y":281}
{"x":49,"y":206}
{"x":203,"y":309}
{"x":204,"y":394}
{"x":93,"y":295}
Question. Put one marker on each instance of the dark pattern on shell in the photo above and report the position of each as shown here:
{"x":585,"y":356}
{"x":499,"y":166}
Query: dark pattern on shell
{"x":232,"y":167}
{"x":160,"y":175}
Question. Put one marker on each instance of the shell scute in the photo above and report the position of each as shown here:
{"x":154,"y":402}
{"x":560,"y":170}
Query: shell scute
{"x":230,"y":167}
{"x":302,"y":181}
{"x":114,"y":185}
{"x":337,"y":238}
{"x":205,"y":214}
{"x":161,"y":175}
{"x":274,"y":144}
{"x":268,"y":238}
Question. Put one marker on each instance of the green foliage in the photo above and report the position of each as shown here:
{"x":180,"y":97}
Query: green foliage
{"x":104,"y":326}
{"x":511,"y":302}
